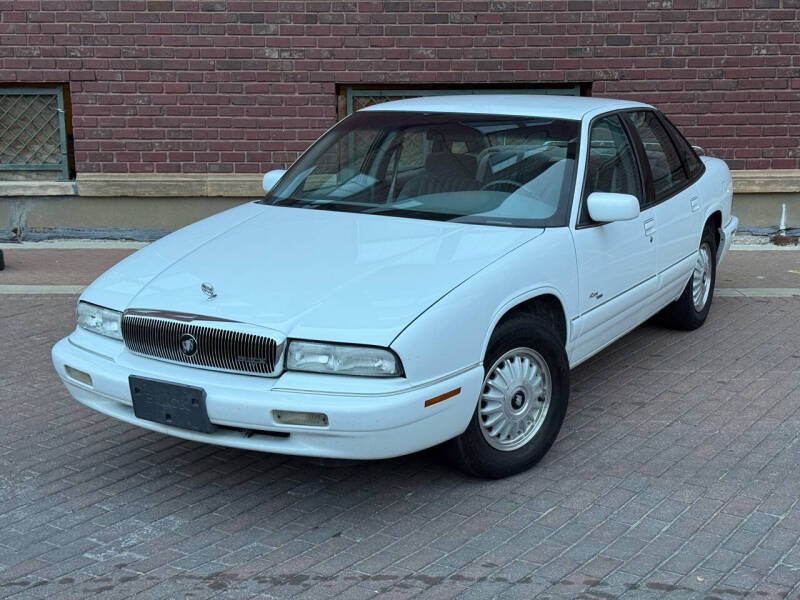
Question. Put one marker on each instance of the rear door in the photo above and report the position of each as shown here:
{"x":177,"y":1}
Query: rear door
{"x":616,"y":261}
{"x":675,"y":200}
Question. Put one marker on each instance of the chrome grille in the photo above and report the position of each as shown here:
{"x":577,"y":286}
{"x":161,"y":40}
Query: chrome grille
{"x":221,"y":345}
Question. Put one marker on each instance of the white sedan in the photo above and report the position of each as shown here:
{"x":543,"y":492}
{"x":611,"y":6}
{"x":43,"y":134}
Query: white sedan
{"x":427,"y":272}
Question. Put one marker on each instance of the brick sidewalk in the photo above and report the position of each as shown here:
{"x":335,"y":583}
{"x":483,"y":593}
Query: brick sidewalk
{"x":675,"y":477}
{"x":57,"y":267}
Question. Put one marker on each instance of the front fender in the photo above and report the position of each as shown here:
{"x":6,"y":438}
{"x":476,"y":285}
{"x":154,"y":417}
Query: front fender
{"x":453,"y":333}
{"x":511,"y":303}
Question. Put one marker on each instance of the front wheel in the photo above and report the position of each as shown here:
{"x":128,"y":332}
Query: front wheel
{"x":690,"y":310}
{"x":522,"y":402}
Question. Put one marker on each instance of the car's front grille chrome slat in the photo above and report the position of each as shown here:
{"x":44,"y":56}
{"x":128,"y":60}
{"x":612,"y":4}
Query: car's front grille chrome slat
{"x":228,"y":344}
{"x":224,"y":347}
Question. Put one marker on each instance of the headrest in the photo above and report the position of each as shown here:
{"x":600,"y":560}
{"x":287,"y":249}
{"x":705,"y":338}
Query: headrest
{"x":446,"y":164}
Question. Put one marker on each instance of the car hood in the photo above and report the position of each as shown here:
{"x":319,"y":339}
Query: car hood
{"x":311,"y":274}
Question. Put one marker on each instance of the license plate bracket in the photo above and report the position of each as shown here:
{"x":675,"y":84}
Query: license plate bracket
{"x":171,"y":404}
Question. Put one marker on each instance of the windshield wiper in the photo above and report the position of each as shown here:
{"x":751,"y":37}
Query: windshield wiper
{"x":291,"y":202}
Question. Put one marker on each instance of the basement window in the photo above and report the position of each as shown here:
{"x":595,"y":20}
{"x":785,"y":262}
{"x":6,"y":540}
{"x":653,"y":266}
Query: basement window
{"x":34,"y":133}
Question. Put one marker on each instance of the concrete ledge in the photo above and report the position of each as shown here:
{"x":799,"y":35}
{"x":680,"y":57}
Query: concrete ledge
{"x":169,"y":185}
{"x":38,"y":188}
{"x":766,"y":181}
{"x":105,"y":217}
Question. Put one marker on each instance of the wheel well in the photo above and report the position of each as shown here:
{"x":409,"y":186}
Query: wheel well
{"x":546,"y":306}
{"x":715,"y":220}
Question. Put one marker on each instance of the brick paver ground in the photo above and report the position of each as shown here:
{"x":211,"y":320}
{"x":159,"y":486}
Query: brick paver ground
{"x":57,"y":266}
{"x":676,"y":476}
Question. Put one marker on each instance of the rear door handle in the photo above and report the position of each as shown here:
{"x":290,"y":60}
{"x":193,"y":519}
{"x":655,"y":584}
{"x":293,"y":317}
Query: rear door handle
{"x":695,"y":203}
{"x":649,"y":226}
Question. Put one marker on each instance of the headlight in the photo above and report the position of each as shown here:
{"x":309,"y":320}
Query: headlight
{"x":319,"y":357}
{"x":100,"y":320}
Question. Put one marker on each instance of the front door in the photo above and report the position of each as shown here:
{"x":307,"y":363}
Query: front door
{"x":616,"y":261}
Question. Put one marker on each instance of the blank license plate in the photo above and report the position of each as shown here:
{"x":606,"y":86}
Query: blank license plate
{"x":181,"y":406}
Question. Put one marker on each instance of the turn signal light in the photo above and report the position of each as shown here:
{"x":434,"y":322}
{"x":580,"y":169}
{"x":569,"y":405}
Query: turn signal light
{"x":77,"y":375}
{"x":290,"y":417}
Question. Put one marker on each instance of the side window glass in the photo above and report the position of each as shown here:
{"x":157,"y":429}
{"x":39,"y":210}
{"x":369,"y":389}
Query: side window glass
{"x":665,"y":163}
{"x":693,"y":164}
{"x":612,"y":163}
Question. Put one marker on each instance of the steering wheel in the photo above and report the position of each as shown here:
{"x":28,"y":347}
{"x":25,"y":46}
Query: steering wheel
{"x":516,"y":184}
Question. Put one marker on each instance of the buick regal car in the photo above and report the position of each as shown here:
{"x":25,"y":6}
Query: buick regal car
{"x":427,"y":272}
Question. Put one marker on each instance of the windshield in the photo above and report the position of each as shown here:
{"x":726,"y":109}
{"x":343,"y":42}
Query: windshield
{"x":514,"y":171}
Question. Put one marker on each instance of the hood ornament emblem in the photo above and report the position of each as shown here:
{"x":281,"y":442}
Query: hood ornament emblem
{"x":208,"y":290}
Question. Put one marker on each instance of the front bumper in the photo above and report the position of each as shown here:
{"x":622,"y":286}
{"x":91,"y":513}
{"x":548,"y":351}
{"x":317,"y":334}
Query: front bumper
{"x":361,"y":425}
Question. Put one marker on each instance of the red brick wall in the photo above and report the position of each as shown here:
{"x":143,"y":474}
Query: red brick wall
{"x":242,"y":86}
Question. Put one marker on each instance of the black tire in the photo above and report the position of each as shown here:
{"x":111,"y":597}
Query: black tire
{"x":471,"y":452}
{"x":683,"y":314}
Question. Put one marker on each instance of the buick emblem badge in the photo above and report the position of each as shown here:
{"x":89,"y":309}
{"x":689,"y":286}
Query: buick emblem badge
{"x":208,"y":290}
{"x":188,"y":344}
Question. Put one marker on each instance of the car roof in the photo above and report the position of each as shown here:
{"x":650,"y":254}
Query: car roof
{"x":521,"y":105}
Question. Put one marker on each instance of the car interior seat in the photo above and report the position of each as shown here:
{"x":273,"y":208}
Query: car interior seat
{"x":444,"y":172}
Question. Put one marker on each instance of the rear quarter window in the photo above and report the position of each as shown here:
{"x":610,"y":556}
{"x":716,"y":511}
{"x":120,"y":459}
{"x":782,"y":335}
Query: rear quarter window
{"x":666,"y":166}
{"x":693,"y":164}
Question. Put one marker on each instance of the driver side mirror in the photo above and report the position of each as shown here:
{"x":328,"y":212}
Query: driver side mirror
{"x":271,"y":178}
{"x":606,"y":207}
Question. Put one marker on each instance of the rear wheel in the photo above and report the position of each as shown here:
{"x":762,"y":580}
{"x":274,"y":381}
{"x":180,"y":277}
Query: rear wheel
{"x":691,"y":309}
{"x":522,"y":403}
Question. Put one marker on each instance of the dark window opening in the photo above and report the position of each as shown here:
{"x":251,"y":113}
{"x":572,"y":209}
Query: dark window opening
{"x":356,"y":97}
{"x":35,"y":132}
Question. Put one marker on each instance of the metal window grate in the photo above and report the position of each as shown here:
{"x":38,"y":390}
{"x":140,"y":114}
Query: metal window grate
{"x":358,"y":98}
{"x":33,"y":133}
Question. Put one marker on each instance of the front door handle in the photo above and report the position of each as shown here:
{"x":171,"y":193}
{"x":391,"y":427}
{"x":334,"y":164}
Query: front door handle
{"x":649,"y":227}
